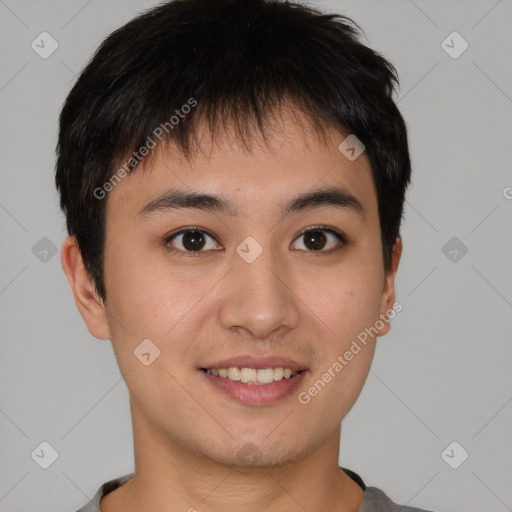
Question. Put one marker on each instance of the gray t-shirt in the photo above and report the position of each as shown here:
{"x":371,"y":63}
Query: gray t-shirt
{"x":374,"y":499}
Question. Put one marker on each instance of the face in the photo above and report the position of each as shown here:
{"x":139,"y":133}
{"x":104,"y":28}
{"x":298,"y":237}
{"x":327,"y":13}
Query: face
{"x":266,"y":274}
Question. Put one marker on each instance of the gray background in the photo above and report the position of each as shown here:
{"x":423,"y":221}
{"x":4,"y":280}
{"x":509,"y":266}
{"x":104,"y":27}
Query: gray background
{"x":441,"y":375}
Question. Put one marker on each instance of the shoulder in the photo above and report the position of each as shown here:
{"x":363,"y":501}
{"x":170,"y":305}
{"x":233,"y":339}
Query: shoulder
{"x":111,"y":485}
{"x":376,"y":500}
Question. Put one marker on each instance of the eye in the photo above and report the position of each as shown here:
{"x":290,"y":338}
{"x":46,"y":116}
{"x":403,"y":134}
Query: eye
{"x":190,"y":240}
{"x":195,"y":240}
{"x":317,"y":238}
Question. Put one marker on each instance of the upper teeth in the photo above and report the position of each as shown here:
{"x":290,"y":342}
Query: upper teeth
{"x":252,"y":375}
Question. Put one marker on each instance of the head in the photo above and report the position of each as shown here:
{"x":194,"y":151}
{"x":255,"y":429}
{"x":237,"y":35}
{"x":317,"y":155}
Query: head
{"x":228,"y":118}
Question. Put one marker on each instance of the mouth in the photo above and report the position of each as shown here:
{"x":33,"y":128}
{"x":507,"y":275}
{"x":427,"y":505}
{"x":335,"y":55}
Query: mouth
{"x":252,"y":376}
{"x":255,"y":381}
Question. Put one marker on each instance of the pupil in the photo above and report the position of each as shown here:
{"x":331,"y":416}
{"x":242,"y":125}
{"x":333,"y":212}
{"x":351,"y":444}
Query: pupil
{"x":193,"y":240}
{"x":317,"y":239}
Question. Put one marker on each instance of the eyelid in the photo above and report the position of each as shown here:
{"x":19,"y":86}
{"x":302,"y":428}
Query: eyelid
{"x":323,"y":227}
{"x":186,"y":230}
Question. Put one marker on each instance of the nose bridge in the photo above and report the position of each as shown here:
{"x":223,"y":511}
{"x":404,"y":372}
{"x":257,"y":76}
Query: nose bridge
{"x":259,"y":295}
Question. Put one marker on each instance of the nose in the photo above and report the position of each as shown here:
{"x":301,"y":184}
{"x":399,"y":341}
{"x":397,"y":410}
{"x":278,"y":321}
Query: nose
{"x":259,"y":296}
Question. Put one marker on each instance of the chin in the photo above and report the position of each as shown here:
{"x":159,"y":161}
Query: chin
{"x":255,"y":453}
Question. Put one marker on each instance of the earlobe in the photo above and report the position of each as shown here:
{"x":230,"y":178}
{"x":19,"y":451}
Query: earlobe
{"x":82,"y":284}
{"x":388,"y":293}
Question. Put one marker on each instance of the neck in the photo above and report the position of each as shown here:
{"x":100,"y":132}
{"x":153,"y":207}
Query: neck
{"x":170,"y":477}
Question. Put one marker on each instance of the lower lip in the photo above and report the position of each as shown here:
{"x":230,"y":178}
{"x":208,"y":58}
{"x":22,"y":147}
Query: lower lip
{"x":257,"y":394}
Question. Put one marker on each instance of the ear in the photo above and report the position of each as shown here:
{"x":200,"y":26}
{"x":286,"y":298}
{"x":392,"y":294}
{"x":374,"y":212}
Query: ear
{"x":87,"y":299}
{"x":388,"y":293}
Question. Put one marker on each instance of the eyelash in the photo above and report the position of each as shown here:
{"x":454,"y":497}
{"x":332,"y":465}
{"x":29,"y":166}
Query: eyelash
{"x":342,"y":239}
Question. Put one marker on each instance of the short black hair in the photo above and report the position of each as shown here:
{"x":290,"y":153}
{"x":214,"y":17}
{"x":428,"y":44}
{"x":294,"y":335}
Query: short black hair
{"x":227,"y":62}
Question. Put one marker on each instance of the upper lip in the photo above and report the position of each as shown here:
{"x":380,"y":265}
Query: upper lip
{"x":256,"y":362}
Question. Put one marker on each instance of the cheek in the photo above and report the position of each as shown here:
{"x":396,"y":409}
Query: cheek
{"x":332,"y":394}
{"x":346,"y":300}
{"x":140,"y":293}
{"x":345,"y":347}
{"x":152,"y":300}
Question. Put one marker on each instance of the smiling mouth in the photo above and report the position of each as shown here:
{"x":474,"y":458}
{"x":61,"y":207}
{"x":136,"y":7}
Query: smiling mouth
{"x":253,"y":376}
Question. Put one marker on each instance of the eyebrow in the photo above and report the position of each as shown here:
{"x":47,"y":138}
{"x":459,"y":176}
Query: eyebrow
{"x":175,"y":199}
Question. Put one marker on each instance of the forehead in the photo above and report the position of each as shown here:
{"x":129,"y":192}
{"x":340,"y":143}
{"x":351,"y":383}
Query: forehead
{"x":292,"y":160}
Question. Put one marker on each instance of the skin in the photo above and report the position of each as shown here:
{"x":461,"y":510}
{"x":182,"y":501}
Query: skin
{"x":291,"y":301}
